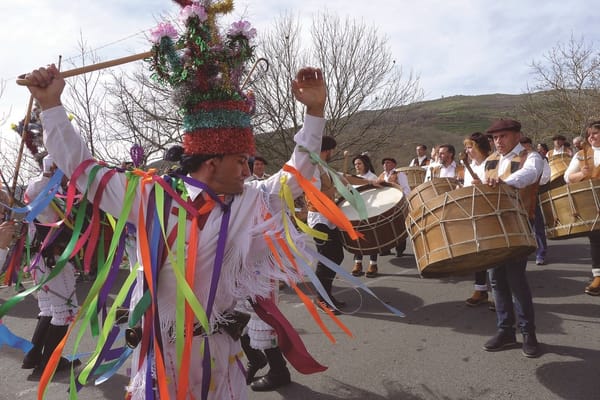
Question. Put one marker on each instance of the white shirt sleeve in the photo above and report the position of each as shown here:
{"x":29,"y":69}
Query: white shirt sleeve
{"x":69,"y":150}
{"x":402,"y":180}
{"x":546,"y":173}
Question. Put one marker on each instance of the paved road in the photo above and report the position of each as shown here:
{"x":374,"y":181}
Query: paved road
{"x":433,"y":353}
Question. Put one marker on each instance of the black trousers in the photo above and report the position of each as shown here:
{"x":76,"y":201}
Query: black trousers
{"x":333,"y":250}
{"x":594,"y":237}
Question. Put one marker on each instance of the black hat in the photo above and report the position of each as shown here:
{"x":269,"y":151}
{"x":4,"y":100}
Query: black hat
{"x":383,"y":160}
{"x":259,"y":158}
{"x":504,"y":125}
{"x":559,"y":137}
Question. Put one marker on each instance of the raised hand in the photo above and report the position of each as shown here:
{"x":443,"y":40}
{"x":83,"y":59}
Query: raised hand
{"x":309,"y":89}
{"x":46,"y":86}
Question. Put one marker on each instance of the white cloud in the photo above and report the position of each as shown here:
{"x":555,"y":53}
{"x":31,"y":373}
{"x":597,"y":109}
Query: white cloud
{"x":457,"y":47}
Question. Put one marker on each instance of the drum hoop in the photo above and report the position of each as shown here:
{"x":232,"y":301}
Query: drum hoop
{"x":475,"y":191}
{"x":369,"y":186}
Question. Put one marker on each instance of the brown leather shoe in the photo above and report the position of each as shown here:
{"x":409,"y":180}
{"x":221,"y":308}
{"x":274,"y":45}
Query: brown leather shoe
{"x":594,"y":288}
{"x":479,"y":297}
{"x":372,"y":271}
{"x":357,"y":270}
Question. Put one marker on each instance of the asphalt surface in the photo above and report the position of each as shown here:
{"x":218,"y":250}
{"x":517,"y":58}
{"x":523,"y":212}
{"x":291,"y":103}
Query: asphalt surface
{"x":435,"y":352}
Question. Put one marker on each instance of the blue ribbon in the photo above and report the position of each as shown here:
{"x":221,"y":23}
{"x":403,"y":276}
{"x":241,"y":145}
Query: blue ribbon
{"x":43,"y":200}
{"x":10,"y":339}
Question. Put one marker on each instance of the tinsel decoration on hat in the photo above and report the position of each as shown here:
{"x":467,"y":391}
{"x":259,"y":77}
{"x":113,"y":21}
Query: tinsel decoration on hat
{"x":204,"y":68}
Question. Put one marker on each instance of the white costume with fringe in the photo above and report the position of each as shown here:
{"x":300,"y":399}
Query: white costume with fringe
{"x":57,"y":297}
{"x":247,"y":269}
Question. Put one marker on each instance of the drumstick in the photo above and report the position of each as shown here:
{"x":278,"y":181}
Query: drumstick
{"x":463,"y":158}
{"x":584,"y":149}
{"x":345,"y":164}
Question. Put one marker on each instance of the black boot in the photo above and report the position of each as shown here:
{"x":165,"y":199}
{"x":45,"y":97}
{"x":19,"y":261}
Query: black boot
{"x":54,"y":336}
{"x":277,"y":376}
{"x":34,"y":356}
{"x":327,"y":282}
{"x":256,"y":359}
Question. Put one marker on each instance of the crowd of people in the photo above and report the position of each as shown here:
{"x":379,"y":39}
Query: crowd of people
{"x":501,"y":155}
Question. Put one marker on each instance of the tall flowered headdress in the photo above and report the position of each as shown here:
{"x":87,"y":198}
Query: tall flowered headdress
{"x":204,"y":67}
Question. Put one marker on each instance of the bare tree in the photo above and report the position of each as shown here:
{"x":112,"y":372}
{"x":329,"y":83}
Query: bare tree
{"x":566,"y":90}
{"x":365,"y":85}
{"x":141,"y":112}
{"x":86,"y":97}
{"x":3,"y":117}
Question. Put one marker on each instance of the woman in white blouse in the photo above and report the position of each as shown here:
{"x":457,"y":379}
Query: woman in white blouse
{"x":364,"y":169}
{"x":477,"y":147}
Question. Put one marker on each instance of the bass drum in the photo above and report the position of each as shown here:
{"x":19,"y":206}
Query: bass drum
{"x":430,"y":189}
{"x":468,"y":230}
{"x":384,"y":227}
{"x":571,"y":210}
{"x":558,"y":165}
{"x":415,"y":175}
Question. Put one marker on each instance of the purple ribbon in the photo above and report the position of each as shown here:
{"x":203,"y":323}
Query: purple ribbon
{"x":217,"y":267}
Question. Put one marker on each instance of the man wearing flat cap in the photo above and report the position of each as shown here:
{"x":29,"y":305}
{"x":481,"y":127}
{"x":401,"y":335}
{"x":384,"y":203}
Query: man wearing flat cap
{"x":514,"y":165}
{"x":559,"y":147}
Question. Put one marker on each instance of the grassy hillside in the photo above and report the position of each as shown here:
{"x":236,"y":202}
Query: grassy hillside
{"x":445,"y":120}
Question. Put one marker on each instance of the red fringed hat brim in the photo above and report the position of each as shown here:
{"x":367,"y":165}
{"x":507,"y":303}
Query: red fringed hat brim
{"x":219,"y":141}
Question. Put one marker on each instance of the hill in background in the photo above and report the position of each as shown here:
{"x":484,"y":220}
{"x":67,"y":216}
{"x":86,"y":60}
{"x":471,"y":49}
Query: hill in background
{"x":445,"y":120}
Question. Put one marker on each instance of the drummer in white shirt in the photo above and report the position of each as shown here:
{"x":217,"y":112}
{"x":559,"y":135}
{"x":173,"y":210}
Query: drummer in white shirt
{"x":586,"y":165}
{"x":421,"y":160}
{"x":364,"y":169}
{"x":559,"y":146}
{"x":446,"y":166}
{"x":400,"y":180}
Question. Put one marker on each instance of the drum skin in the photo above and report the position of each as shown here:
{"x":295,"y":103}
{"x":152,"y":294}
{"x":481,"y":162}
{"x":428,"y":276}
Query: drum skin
{"x":415,"y":175}
{"x":558,"y":165}
{"x":384,"y":228}
{"x":469,"y":229}
{"x":571,"y":210}
{"x":430,"y":189}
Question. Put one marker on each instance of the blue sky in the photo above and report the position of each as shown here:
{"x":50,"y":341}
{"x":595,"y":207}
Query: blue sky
{"x":457,"y":47}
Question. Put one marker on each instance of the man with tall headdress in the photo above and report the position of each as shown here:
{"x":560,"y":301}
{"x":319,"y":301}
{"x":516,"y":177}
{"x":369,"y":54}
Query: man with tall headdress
{"x":227,"y":256}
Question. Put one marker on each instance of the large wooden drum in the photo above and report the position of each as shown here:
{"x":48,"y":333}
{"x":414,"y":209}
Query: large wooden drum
{"x":415,"y":175}
{"x":469,"y":229}
{"x":558,"y":165}
{"x":384,"y":227}
{"x":430,"y":189}
{"x":571,"y":210}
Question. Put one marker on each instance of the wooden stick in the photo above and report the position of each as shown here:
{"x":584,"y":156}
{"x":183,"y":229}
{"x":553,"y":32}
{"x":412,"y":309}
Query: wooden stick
{"x":94,"y":67}
{"x":20,"y":155}
{"x":584,"y":149}
{"x":345,"y":164}
{"x":463,"y":158}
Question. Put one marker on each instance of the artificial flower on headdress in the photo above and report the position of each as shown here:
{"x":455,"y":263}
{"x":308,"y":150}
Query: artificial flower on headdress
{"x":205,"y":67}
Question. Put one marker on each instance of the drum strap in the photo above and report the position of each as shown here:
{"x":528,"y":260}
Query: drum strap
{"x":459,"y":171}
{"x":493,"y":161}
{"x":589,"y":159}
{"x":528,"y":193}
{"x":423,"y":163}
